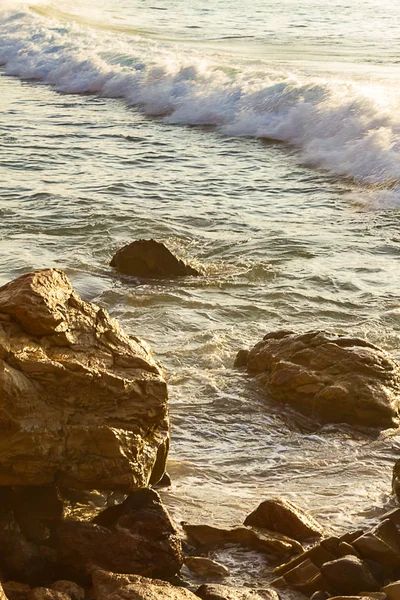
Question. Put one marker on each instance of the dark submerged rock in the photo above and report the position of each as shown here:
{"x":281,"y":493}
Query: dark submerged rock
{"x":150,"y":259}
{"x":334,"y":378}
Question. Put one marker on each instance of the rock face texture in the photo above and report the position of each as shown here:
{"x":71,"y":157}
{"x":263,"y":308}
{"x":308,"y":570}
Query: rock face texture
{"x":281,"y":515}
{"x":136,"y":536}
{"x":135,"y":587}
{"x":82,"y":405}
{"x":148,"y":258}
{"x":337,"y":379}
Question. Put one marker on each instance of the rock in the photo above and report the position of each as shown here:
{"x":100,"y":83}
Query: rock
{"x":151,"y":591}
{"x":205,"y":567}
{"x":396,"y":480}
{"x":14,"y":590}
{"x":392,"y":590}
{"x":72,"y":589}
{"x":81,"y":403}
{"x":106,"y":582}
{"x":149,"y":259}
{"x":134,"y":537}
{"x":334,"y":378}
{"x":2,"y":593}
{"x":224,"y":592}
{"x":349,"y":575}
{"x":42,"y":593}
{"x":25,"y":561}
{"x":276,"y":514}
{"x":115,"y":586}
{"x":273,"y":544}
{"x":382,"y":545}
{"x":320,"y":595}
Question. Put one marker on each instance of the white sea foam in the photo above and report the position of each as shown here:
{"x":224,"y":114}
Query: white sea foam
{"x":348,"y":129}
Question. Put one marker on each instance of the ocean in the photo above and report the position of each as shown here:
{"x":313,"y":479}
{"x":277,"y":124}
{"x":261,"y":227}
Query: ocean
{"x":258,"y":140}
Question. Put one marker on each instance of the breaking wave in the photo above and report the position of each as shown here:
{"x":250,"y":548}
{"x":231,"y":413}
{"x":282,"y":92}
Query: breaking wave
{"x":348,"y":129}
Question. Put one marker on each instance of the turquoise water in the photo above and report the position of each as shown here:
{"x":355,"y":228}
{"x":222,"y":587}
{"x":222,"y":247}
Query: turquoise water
{"x":260,"y":142}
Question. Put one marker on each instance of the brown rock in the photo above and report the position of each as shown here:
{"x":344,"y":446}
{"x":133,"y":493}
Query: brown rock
{"x":349,"y":575}
{"x":273,"y":544}
{"x":148,"y":258}
{"x":2,"y":593}
{"x":151,"y":591}
{"x":224,"y":592}
{"x":205,"y":567}
{"x":334,"y":378}
{"x":14,"y":590}
{"x":106,"y":582}
{"x":72,"y":589}
{"x":396,"y":480}
{"x":135,"y":537}
{"x":81,"y":403}
{"x":392,"y":590}
{"x":42,"y":593}
{"x":381,"y":544}
{"x":281,"y":515}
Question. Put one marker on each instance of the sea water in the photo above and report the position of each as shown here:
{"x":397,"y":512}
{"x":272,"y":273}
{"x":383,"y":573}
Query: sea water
{"x":260,"y":141}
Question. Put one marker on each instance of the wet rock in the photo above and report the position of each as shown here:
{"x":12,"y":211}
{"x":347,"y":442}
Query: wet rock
{"x":149,"y":259}
{"x":205,"y":567}
{"x":224,"y":592}
{"x":134,"y":537}
{"x":81,"y":403}
{"x":72,"y":589}
{"x":277,"y":514}
{"x":273,"y":544}
{"x":349,"y":575}
{"x":334,"y":378}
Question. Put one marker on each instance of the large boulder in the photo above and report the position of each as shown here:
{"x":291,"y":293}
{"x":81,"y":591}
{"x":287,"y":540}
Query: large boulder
{"x":150,"y":259}
{"x":82,"y":404}
{"x":335,"y":378}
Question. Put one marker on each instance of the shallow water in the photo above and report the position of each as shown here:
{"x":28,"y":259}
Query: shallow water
{"x":275,"y":171}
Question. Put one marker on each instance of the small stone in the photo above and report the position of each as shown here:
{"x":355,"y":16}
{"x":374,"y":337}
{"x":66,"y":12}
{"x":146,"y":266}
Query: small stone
{"x":206,"y":567}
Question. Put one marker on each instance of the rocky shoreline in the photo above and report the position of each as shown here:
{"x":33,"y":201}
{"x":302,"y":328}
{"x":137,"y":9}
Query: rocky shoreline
{"x":85,"y":438}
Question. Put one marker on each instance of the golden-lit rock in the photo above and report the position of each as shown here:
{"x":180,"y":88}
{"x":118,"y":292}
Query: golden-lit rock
{"x":82,"y":404}
{"x":277,"y":514}
{"x":334,"y":378}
